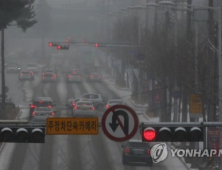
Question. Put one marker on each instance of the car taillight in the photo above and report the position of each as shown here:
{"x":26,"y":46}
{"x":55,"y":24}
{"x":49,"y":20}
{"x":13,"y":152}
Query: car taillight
{"x":52,"y":77}
{"x":73,"y":104}
{"x":127,"y":150}
{"x":53,"y":113}
{"x":76,"y":108}
{"x":107,"y":106}
{"x":49,"y":106}
{"x":93,"y":108}
{"x":33,"y":113}
{"x":148,"y":152}
{"x":33,"y":106}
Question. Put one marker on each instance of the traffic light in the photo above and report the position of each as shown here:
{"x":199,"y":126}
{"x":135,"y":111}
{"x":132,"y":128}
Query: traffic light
{"x":22,"y":134}
{"x":63,"y":47}
{"x":53,"y":44}
{"x":172,"y":132}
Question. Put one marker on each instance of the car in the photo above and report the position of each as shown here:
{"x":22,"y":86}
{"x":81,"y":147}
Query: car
{"x":13,"y":68}
{"x":70,"y":103}
{"x":114,"y":102}
{"x":42,"y":113}
{"x":32,"y":67}
{"x":136,"y":151}
{"x":84,"y":108}
{"x":95,"y":77}
{"x":73,"y":71}
{"x":52,"y":77}
{"x":39,"y":102}
{"x":96,"y":99}
{"x":74,"y":77}
{"x":26,"y":75}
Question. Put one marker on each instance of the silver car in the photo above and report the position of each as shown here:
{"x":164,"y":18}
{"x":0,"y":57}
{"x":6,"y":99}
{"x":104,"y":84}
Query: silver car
{"x":41,"y":113}
{"x":85,"y":109}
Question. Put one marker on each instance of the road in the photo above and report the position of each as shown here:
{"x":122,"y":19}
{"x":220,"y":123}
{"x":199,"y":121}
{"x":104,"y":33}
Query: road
{"x":82,"y":152}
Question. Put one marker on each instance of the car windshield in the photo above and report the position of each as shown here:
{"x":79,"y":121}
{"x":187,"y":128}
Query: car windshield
{"x":142,"y":70}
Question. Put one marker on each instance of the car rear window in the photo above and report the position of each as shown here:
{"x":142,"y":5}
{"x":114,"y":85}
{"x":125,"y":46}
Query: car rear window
{"x":43,"y":109}
{"x":42,"y":103}
{"x":138,"y":144}
{"x":84,"y":104}
{"x":48,"y":75}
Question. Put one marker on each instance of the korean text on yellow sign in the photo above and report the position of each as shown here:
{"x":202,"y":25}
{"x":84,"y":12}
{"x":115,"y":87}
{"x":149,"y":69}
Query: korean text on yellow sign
{"x":195,"y":103}
{"x":72,"y":126}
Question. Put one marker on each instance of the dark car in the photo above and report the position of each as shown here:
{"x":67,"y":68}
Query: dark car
{"x":136,"y":151}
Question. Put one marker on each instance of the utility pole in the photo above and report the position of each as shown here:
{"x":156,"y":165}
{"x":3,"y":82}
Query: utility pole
{"x":3,"y":71}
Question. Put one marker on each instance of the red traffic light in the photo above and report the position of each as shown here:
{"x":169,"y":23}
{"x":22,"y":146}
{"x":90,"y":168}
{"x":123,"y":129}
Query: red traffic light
{"x":96,"y":45}
{"x":149,"y":134}
{"x":59,"y":47}
{"x":50,"y":44}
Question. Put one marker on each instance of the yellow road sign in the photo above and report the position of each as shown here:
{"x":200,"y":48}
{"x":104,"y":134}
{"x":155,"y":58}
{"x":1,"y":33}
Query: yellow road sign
{"x":195,"y":104}
{"x":72,"y":126}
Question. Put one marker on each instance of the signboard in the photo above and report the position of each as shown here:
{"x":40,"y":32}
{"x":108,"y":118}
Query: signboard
{"x":72,"y":126}
{"x":195,"y":104}
{"x":214,"y":137}
{"x":119,"y":123}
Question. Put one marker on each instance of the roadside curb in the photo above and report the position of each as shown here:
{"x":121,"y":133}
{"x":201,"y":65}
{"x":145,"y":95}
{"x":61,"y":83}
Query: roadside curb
{"x":181,"y":160}
{"x":135,"y":105}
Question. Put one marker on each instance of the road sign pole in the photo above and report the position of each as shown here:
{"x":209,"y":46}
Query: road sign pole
{"x":219,"y":75}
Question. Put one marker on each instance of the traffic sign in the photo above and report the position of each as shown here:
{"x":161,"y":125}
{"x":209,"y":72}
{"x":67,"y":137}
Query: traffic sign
{"x":195,"y":104}
{"x":119,"y":123}
{"x":72,"y":126}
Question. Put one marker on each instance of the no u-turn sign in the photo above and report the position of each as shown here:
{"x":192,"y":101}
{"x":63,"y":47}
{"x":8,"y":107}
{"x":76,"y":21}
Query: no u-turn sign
{"x":120,"y":123}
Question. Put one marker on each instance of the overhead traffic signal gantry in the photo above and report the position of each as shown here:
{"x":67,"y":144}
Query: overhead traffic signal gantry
{"x":172,"y":132}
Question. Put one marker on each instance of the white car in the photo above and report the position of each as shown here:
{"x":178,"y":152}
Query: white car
{"x":114,"y":102}
{"x":41,"y":113}
{"x":32,"y":67}
{"x":84,"y":109}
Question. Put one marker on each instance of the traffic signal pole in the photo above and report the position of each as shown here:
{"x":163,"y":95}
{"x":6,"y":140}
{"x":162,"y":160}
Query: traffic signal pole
{"x":219,"y":75}
{"x":3,"y":73}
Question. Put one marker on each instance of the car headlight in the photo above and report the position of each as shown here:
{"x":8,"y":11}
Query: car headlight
{"x":19,"y":68}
